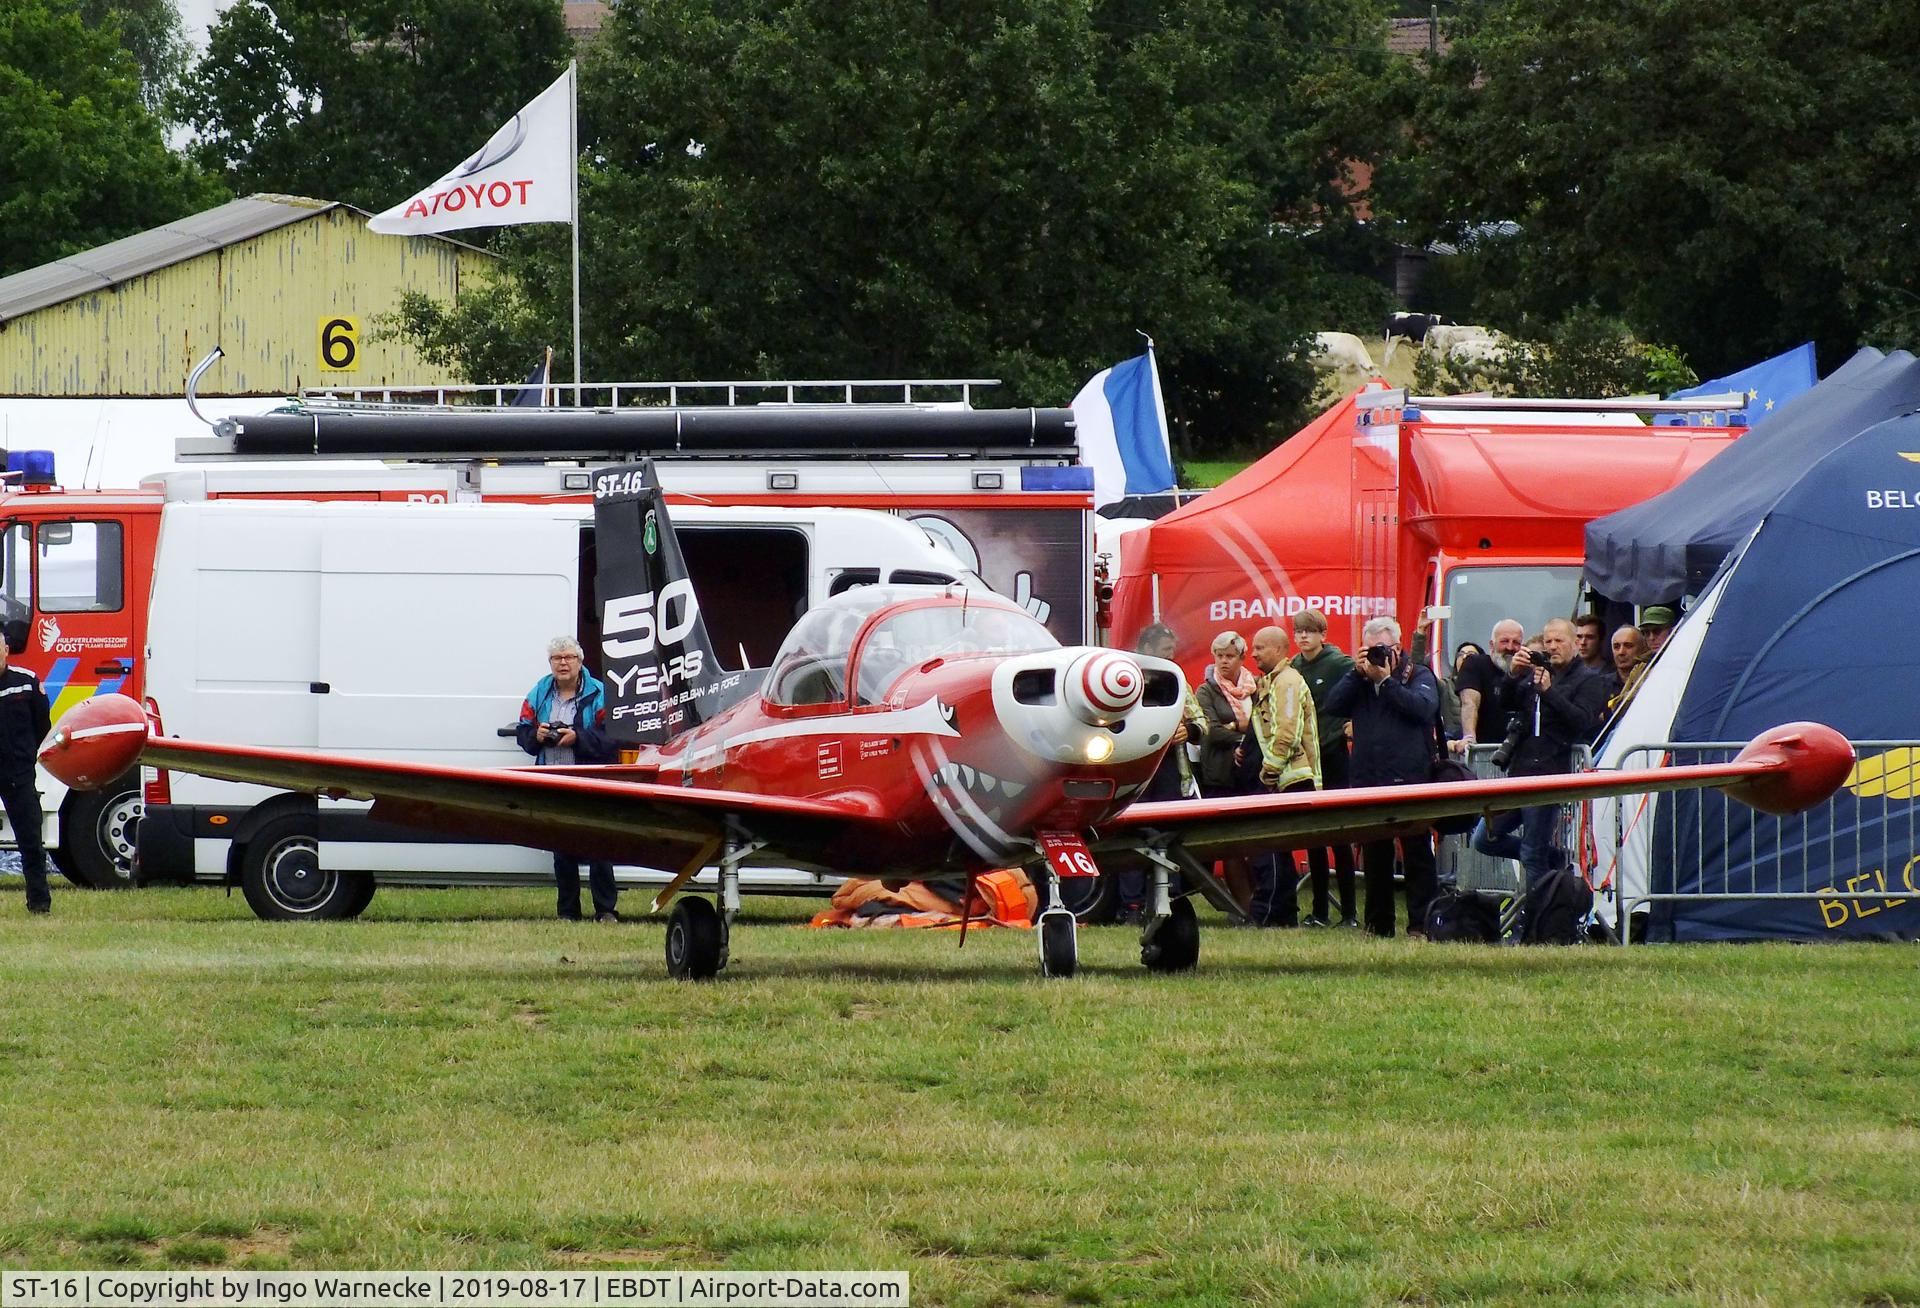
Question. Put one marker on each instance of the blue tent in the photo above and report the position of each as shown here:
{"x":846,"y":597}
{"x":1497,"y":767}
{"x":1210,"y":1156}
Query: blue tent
{"x":1817,"y":618}
{"x":1669,"y":546}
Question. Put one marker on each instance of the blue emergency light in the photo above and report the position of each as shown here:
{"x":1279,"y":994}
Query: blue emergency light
{"x":34,"y":467}
{"x":1077,"y":478}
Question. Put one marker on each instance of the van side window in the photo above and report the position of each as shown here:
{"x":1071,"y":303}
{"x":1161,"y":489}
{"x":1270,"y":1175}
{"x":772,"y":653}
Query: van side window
{"x":81,"y":567}
{"x":848,"y":578}
{"x":914,"y":577}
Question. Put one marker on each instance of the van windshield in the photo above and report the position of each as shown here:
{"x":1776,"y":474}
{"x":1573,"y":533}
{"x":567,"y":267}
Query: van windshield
{"x":1481,"y":597}
{"x":16,"y":571}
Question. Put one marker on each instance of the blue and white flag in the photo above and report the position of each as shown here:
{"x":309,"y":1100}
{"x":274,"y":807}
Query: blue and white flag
{"x":1122,"y":426}
{"x":1767,"y":385}
{"x":535,"y":395}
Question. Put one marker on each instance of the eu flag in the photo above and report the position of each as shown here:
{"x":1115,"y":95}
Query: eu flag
{"x":1767,"y":386}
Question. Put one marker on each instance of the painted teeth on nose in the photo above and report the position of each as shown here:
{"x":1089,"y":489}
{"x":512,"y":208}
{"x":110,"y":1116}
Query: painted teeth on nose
{"x":1012,"y":789}
{"x":988,"y":784}
{"x":966,"y":776}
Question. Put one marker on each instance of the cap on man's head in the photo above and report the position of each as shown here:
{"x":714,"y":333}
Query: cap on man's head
{"x":1657,"y":616}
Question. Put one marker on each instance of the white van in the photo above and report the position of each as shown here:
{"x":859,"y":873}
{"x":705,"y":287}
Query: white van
{"x":412,"y":632}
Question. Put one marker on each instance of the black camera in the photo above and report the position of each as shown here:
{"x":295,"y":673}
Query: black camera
{"x":552,"y":730}
{"x":1380,"y":655}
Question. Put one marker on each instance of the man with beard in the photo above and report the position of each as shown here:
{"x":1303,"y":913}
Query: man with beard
{"x":1486,"y":689}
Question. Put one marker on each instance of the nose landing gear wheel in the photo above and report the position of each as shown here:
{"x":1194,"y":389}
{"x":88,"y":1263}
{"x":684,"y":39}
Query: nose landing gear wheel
{"x":1174,"y":946}
{"x":696,"y":941}
{"x":1059,"y":943}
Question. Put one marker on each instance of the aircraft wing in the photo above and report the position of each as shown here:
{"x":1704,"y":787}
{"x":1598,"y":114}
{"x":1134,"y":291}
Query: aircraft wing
{"x":1783,"y":771}
{"x":589,"y":811}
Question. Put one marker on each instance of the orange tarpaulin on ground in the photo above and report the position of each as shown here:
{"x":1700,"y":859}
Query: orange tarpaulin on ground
{"x":1004,"y":898}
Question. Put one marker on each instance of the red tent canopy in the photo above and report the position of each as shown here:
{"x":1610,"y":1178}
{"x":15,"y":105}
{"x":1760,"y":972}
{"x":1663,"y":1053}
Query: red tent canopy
{"x":1218,"y":560}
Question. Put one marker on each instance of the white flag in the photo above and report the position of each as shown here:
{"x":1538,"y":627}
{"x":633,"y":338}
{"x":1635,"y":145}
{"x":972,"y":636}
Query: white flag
{"x":524,"y":174}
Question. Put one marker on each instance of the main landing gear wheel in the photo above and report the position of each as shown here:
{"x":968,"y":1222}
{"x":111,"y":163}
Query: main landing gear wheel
{"x":1175,"y":945}
{"x":1059,"y":943}
{"x":696,"y":941}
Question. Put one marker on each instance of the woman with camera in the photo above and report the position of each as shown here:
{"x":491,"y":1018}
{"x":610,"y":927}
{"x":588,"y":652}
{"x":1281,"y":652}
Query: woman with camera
{"x":561,"y":723}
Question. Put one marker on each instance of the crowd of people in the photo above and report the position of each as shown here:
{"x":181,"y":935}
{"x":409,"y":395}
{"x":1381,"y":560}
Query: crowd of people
{"x":1292,"y":711}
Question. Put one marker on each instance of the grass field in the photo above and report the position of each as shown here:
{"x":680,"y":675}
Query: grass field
{"x":1313,"y":1118}
{"x":1211,"y":474}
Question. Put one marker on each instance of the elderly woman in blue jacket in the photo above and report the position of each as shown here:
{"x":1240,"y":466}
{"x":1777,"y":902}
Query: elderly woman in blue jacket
{"x":562,"y":722}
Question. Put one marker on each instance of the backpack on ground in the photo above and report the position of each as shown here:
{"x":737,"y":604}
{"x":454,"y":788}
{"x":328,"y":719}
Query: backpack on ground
{"x":1557,"y":905}
{"x":1462,"y":915}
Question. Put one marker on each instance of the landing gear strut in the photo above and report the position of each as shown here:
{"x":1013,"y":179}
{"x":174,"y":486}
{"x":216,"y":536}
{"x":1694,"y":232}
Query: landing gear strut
{"x":1057,"y":929}
{"x":1170,"y":940}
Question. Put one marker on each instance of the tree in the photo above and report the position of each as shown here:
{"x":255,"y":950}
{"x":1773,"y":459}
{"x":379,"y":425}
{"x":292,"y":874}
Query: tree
{"x":1727,"y":176}
{"x":847,"y":188}
{"x":152,"y":33}
{"x":82,"y":160}
{"x":368,"y":100}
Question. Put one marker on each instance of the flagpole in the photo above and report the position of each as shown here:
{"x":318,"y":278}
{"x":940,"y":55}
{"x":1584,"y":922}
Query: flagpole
{"x":573,"y":144}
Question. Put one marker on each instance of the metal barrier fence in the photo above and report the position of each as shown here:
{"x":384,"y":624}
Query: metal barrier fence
{"x":1798,"y":858}
{"x":1465,"y":868}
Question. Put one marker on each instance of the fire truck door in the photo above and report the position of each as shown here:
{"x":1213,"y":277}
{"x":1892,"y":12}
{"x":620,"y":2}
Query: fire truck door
{"x":69,"y":580}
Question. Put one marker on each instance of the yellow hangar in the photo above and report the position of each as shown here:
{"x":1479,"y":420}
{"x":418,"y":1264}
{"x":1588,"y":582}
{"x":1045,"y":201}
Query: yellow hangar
{"x":288,"y":287}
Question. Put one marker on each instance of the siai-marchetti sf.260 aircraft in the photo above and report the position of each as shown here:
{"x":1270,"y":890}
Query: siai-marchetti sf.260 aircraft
{"x":901,"y":732}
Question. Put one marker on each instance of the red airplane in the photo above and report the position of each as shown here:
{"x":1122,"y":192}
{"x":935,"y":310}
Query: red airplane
{"x":901,"y":732}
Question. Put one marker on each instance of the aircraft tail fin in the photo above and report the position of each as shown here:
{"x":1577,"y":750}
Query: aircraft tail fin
{"x":662,"y":675}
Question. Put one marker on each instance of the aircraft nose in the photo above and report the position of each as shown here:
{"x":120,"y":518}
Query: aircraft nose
{"x":1103,"y":686}
{"x":95,"y":741}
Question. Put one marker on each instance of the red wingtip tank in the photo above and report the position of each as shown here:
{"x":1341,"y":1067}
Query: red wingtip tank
{"x":95,"y":741}
{"x":1817,"y":761}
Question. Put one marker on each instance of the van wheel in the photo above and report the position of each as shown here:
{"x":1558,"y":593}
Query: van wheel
{"x":281,"y":876}
{"x":97,"y":835}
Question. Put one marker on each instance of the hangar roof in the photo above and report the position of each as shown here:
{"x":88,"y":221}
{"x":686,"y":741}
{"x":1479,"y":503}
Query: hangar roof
{"x":108,"y":265}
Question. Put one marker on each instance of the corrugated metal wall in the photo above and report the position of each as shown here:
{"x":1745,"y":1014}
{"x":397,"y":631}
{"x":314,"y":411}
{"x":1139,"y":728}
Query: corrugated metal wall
{"x":262,"y":300}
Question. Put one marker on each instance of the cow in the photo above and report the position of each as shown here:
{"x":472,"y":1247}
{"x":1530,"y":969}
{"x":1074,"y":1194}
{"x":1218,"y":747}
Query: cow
{"x":1342,"y":350}
{"x":1413,"y":326}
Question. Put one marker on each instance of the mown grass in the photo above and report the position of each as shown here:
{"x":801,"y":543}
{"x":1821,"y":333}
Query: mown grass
{"x":1211,"y":473}
{"x":1313,"y":1118}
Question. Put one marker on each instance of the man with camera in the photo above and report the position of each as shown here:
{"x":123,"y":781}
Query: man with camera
{"x":1392,"y":701}
{"x":1558,"y":703}
{"x":561,"y":723}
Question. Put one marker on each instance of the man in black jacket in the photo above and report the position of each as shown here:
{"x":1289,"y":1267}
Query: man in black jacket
{"x":1393,"y":702}
{"x":24,"y":723}
{"x":1558,"y":705}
